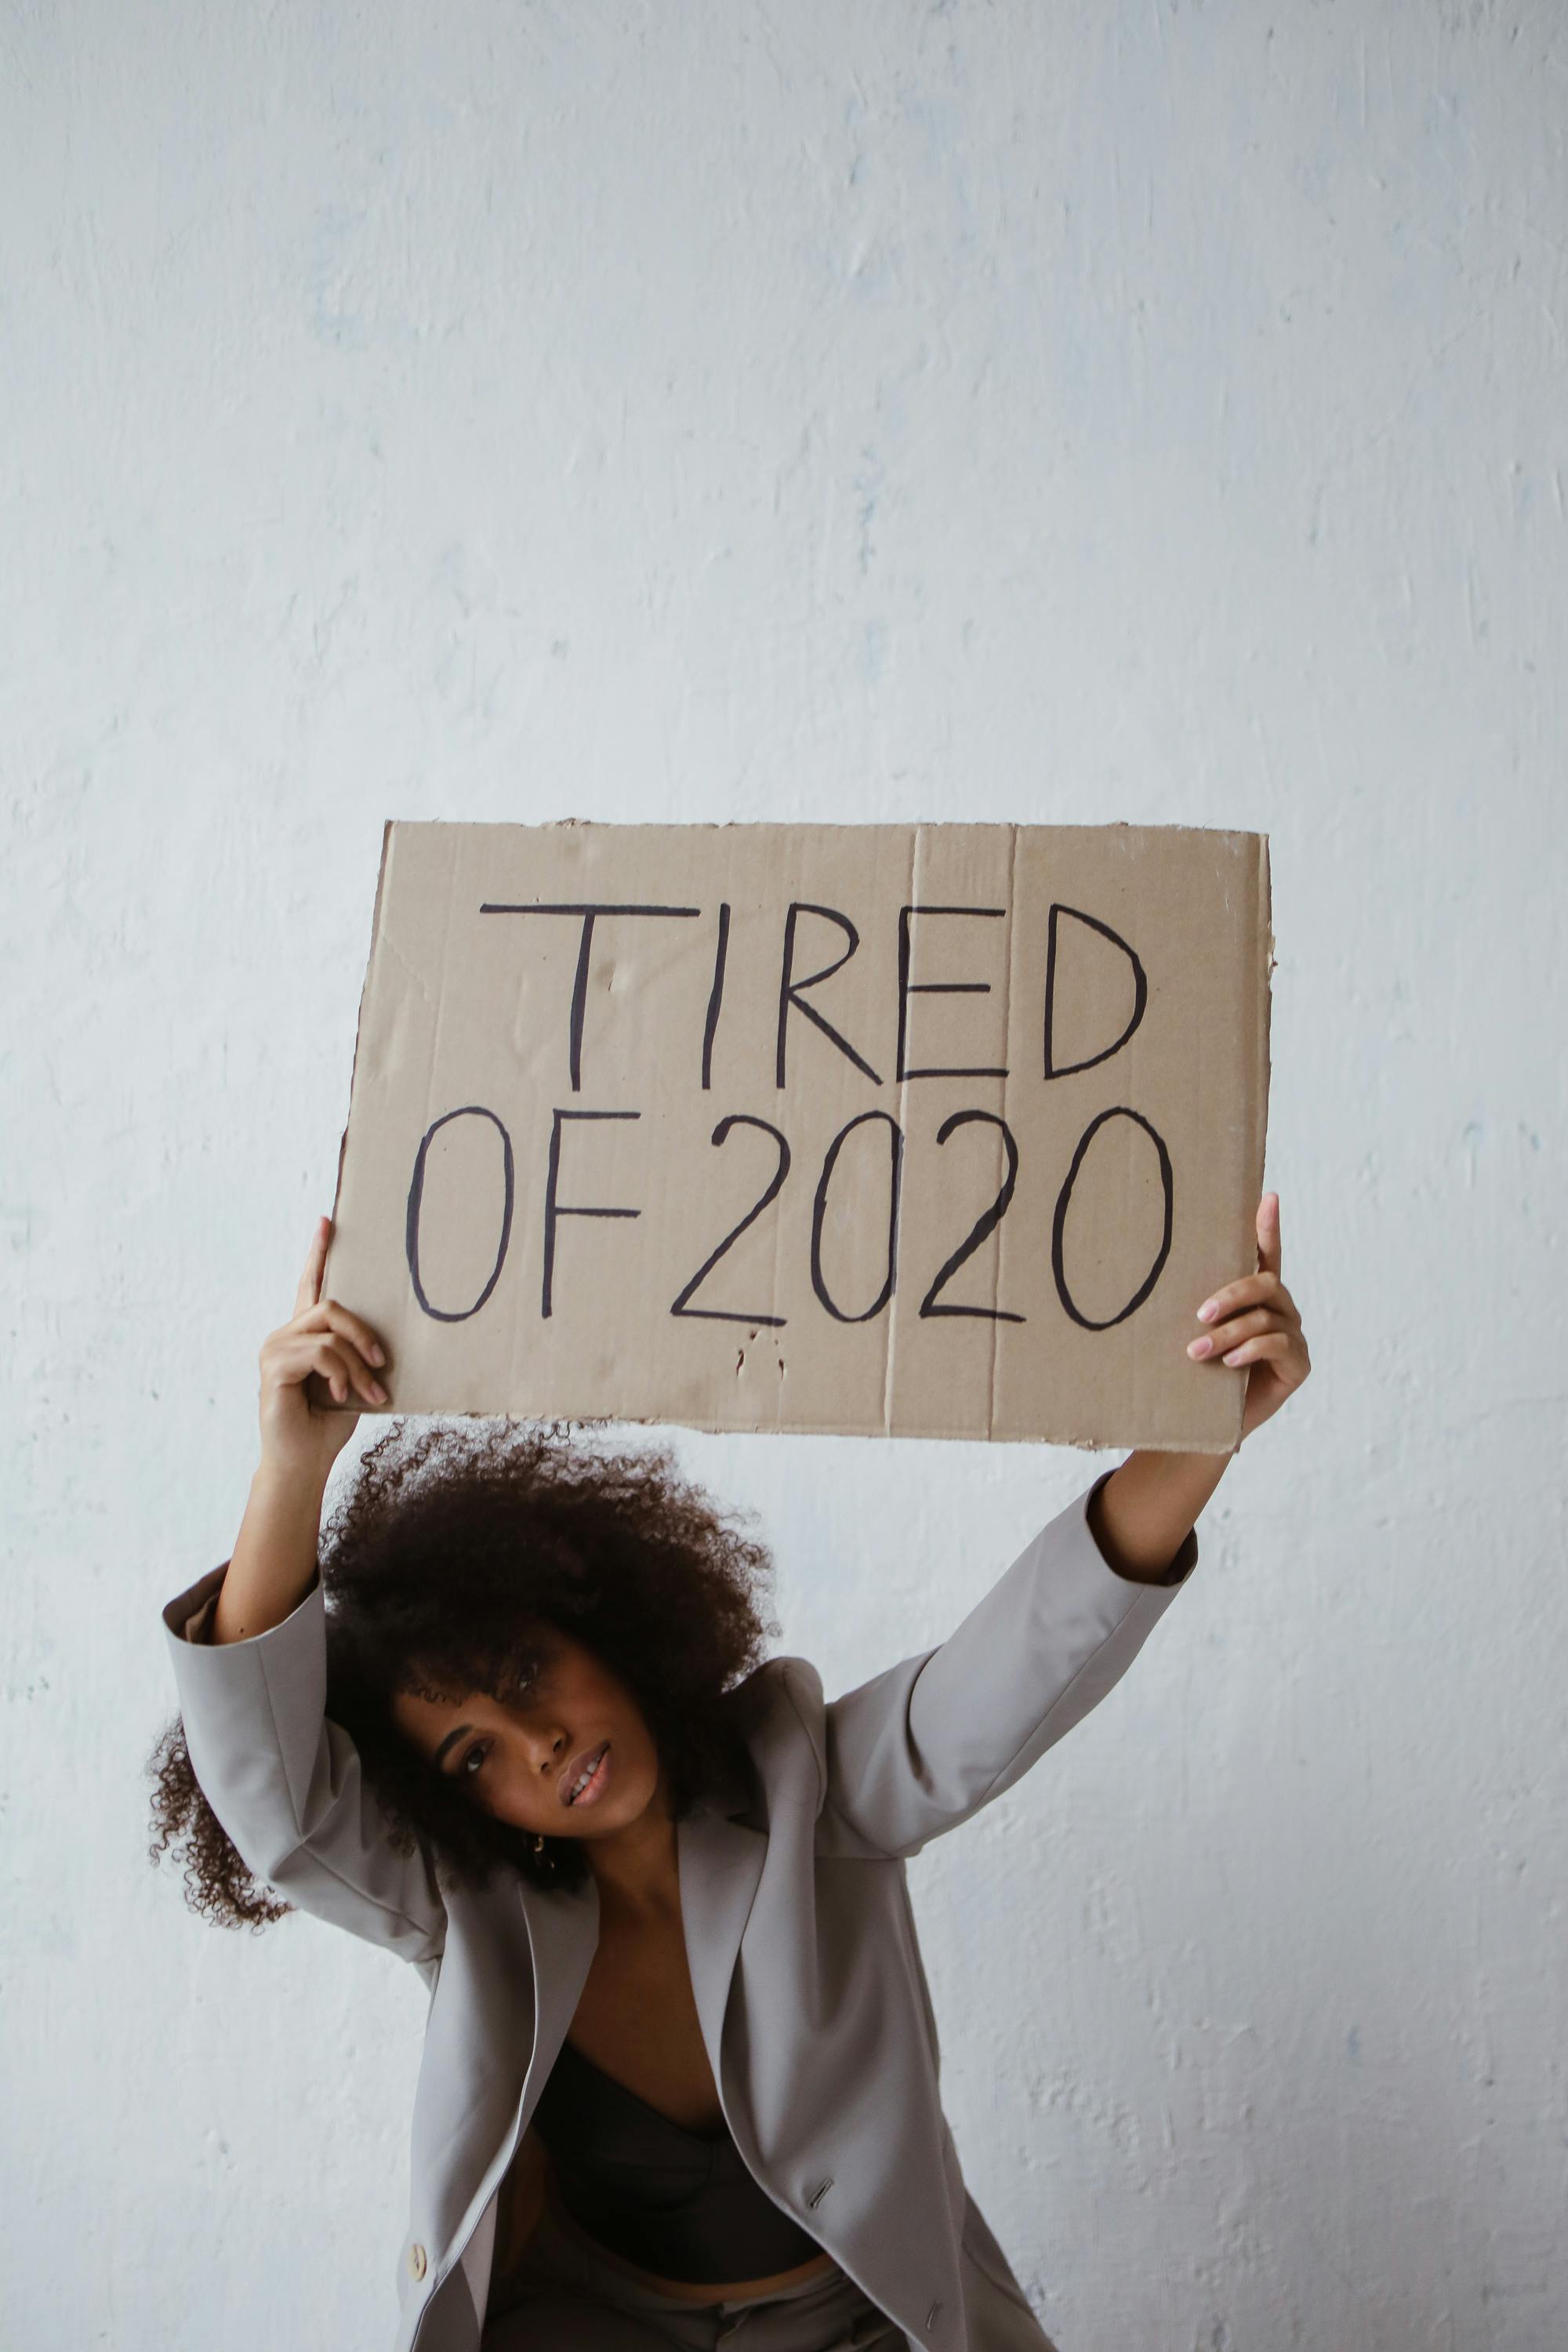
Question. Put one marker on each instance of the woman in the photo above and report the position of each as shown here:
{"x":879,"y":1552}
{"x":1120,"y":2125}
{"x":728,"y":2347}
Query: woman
{"x":680,"y":2076}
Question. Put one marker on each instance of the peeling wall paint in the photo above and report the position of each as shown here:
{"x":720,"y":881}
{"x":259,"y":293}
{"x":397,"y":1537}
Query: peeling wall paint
{"x":1058,"y":414}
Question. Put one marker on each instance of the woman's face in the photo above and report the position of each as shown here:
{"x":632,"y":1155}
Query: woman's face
{"x":572,"y":1757}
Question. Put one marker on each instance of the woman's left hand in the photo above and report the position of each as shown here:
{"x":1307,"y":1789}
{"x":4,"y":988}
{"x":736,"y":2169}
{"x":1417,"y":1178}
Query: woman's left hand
{"x":1254,"y":1321}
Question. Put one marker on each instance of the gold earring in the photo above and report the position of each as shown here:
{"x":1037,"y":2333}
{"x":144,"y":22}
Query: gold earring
{"x":539,"y":1845}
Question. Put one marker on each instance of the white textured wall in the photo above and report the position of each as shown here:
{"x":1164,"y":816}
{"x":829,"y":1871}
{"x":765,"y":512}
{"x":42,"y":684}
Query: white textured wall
{"x":1074,"y":412}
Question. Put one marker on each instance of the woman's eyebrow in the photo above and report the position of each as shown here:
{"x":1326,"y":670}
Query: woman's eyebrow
{"x":459,"y":1734}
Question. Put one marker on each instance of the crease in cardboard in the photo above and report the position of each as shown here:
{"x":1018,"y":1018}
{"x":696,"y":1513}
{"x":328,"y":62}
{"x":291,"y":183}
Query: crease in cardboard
{"x":900,"y":1112}
{"x":776,"y":1298}
{"x":1010,"y":903}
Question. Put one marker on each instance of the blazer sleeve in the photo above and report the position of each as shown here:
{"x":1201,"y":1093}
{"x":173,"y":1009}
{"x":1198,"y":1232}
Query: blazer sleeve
{"x":922,"y":1747}
{"x":286,"y":1781}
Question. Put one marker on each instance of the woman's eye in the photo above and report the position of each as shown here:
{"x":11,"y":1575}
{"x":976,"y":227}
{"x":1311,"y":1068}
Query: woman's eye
{"x":471,"y":1761}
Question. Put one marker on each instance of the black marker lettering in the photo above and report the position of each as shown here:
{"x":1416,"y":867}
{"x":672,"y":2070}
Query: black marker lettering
{"x":415,"y":1202}
{"x":1141,"y":989}
{"x":790,"y":988}
{"x":720,"y":1314}
{"x":552,"y":1209}
{"x":1058,"y":1222}
{"x":588,"y":912}
{"x":908,"y":988}
{"x":985,"y":1224}
{"x":819,"y":1210}
{"x":716,"y":995}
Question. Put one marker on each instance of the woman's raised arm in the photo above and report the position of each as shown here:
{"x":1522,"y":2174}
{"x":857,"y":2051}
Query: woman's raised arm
{"x":274,"y":1557}
{"x":248,"y":1647}
{"x":922,"y":1747}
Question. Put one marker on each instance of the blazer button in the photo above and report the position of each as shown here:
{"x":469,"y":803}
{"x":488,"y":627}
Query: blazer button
{"x":416,"y":2261}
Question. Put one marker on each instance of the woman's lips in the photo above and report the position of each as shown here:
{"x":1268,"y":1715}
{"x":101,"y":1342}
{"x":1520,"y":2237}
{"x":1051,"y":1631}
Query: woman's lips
{"x":595,"y":1762}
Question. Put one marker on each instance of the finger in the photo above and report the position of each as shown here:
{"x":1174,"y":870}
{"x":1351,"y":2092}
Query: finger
{"x":347,"y":1362}
{"x":355,"y":1333}
{"x":1234,"y":1328}
{"x":290,"y":1359}
{"x":323,"y":1358}
{"x":309,"y":1288}
{"x":1268,"y":1233}
{"x":355,"y":1329}
{"x":1250,"y":1290}
{"x":1260,"y":1350}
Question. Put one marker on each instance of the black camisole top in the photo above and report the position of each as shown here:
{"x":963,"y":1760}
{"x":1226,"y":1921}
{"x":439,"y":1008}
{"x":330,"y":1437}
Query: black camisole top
{"x":677,"y":2202}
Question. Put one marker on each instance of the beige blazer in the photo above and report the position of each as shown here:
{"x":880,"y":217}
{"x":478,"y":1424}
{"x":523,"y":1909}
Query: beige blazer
{"x":804,"y":1962}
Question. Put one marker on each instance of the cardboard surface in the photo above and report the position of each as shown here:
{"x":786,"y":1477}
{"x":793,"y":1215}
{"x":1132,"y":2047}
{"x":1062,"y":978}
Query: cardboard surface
{"x":752,"y":1146}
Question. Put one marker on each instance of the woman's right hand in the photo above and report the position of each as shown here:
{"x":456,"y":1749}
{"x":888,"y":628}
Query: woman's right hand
{"x":299,"y":1442}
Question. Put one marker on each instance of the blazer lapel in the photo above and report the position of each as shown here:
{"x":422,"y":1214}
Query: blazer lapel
{"x":562,"y":1936}
{"x":720,"y":1863}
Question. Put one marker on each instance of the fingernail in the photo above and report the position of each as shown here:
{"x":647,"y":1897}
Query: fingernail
{"x":377,"y":1355}
{"x":378,"y":1392}
{"x":1206,"y":1311}
{"x":1200,"y":1347}
{"x":1232,"y":1357}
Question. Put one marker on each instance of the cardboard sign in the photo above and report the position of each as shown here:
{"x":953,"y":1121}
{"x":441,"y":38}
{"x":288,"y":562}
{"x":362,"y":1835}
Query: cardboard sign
{"x":933,"y":1131}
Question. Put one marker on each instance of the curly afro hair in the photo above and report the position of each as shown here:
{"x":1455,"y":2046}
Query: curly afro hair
{"x":452,"y":1550}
